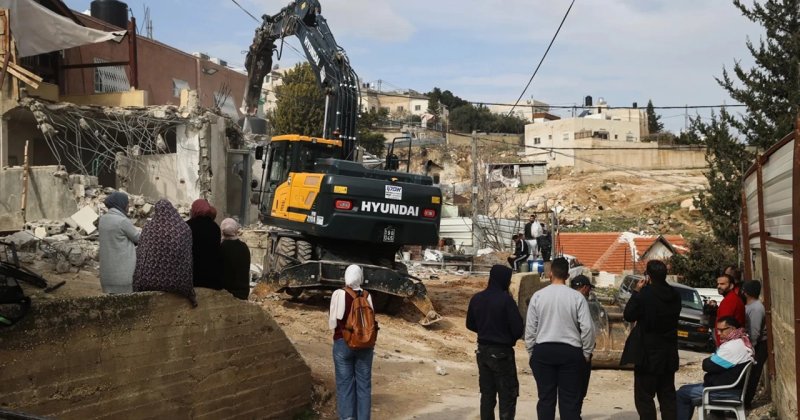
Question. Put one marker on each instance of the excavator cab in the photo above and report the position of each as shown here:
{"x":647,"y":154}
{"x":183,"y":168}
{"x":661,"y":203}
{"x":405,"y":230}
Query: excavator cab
{"x":291,"y":154}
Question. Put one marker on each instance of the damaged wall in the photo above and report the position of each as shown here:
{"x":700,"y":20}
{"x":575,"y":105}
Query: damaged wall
{"x":49,"y":196}
{"x":197,"y":169}
{"x":150,"y":355}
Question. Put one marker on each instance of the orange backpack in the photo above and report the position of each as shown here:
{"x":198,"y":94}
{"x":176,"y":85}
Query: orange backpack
{"x":360,"y":329}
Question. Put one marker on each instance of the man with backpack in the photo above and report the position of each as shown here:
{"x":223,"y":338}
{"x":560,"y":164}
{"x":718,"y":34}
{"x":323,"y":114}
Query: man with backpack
{"x":352,"y":318}
{"x":494,"y":315}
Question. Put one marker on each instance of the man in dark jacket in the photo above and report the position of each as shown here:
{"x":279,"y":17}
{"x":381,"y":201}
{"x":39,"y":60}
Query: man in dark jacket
{"x":521,"y":252}
{"x":653,"y":345}
{"x":494,"y":315}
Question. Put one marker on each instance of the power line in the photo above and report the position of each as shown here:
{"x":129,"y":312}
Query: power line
{"x":245,"y":10}
{"x":543,"y":56}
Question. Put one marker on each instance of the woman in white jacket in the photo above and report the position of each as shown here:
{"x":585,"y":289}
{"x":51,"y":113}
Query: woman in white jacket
{"x":118,"y":239}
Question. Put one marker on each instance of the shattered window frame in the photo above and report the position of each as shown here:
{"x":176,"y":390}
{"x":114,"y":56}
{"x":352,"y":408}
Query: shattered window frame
{"x":228,"y":107}
{"x":177,"y":86}
{"x":110,"y":79}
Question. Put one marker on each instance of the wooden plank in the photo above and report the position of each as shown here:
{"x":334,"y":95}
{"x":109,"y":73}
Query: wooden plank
{"x":31,"y":75}
{"x":21,"y":77}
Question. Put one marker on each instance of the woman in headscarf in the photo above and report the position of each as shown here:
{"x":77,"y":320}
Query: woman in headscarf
{"x":205,"y":245}
{"x":118,"y":238}
{"x":352,"y":368}
{"x":164,"y":255}
{"x":235,"y":257}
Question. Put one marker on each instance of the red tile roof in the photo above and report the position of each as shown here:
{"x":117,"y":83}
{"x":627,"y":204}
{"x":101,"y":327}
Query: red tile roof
{"x":586,"y":247}
{"x":611,"y":252}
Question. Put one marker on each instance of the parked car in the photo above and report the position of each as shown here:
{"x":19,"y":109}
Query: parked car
{"x":709,"y":293}
{"x":693,"y":325}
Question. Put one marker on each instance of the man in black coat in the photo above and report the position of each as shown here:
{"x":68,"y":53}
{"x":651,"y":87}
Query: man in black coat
{"x":494,"y":315}
{"x":652,"y":345}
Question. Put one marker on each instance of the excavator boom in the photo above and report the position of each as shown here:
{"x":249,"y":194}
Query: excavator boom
{"x":329,"y":62}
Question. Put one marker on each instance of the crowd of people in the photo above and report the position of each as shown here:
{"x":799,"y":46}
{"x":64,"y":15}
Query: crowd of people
{"x":170,"y":254}
{"x":559,"y":337}
{"x":173,"y":255}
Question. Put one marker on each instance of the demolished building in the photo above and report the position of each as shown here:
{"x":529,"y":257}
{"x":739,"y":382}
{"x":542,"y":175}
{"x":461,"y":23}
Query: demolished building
{"x":74,"y":122}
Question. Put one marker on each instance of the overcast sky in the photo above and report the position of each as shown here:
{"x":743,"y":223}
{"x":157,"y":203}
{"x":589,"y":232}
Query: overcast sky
{"x":624,"y":51}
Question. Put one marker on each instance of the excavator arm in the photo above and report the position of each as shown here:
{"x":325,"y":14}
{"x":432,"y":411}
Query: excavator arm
{"x":331,"y":67}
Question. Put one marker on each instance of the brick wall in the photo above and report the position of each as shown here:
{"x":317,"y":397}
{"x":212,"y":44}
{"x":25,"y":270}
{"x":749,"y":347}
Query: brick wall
{"x":150,"y":355}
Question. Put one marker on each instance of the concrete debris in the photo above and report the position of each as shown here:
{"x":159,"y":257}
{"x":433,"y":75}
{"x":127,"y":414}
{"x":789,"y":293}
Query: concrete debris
{"x":23,"y":241}
{"x":432,"y":255}
{"x":85,"y":219}
{"x":57,"y":238}
{"x":40,"y":232}
{"x":441,"y":371}
{"x":145,"y":209}
{"x":50,"y":227}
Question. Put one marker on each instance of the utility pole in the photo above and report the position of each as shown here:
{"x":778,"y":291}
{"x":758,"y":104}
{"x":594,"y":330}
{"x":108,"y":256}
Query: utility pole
{"x":474,"y":200}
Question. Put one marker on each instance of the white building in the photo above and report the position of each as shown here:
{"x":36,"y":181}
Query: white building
{"x":525,"y":109}
{"x":597,"y":127}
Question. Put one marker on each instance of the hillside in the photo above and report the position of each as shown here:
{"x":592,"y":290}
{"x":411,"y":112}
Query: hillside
{"x":651,"y":202}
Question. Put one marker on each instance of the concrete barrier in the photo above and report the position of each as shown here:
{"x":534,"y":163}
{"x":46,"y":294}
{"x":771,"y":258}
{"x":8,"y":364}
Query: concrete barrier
{"x":151,"y":355}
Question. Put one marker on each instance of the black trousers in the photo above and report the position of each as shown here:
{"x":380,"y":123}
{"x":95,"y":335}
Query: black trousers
{"x":514,"y":261}
{"x":497,"y":379}
{"x":646,"y":386}
{"x":560,"y":373}
{"x":586,"y":383}
{"x":755,"y":372}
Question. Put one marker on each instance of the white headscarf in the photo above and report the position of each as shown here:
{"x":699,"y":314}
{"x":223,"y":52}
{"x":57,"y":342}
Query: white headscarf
{"x":353,"y":277}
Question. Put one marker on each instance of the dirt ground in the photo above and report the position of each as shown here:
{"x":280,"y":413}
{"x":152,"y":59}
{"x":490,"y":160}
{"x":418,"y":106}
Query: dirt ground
{"x":406,"y":384}
{"x":418,"y":372}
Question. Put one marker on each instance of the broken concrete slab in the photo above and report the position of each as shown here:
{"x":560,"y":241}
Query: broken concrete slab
{"x":57,"y":238}
{"x":84,"y":219}
{"x":24,"y":241}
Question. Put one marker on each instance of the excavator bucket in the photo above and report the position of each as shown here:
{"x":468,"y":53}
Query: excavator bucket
{"x":611,"y":331}
{"x":424,"y":305}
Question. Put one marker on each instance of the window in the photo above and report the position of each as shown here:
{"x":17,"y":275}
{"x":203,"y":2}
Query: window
{"x":537,"y":140}
{"x":417,"y":107}
{"x":615,"y":137}
{"x":549,"y":137}
{"x":385,"y":108}
{"x":400,"y":108}
{"x":565,"y":137}
{"x":629,"y":137}
{"x":177,"y":86}
{"x":110,"y":79}
{"x":225,"y":104}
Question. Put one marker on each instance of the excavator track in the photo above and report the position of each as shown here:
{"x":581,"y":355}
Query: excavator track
{"x":291,"y":268}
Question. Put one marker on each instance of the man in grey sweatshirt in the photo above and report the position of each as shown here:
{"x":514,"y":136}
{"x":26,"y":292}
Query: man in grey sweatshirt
{"x":559,"y":336}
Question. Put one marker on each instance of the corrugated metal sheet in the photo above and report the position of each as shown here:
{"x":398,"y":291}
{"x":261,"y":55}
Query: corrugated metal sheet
{"x":777,"y":191}
{"x":750,"y":186}
{"x":498,"y":231}
{"x":457,"y":228}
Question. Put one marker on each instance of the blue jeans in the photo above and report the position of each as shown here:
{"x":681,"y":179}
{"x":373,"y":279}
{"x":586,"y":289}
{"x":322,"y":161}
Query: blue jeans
{"x":689,"y":394}
{"x":353,"y":381}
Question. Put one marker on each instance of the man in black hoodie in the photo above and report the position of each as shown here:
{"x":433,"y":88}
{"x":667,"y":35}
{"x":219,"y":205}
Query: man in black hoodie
{"x":494,"y":315}
{"x":652,"y":345}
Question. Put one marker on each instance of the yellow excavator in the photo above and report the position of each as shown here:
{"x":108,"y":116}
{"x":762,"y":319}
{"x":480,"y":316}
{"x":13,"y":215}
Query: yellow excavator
{"x":325,"y":210}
